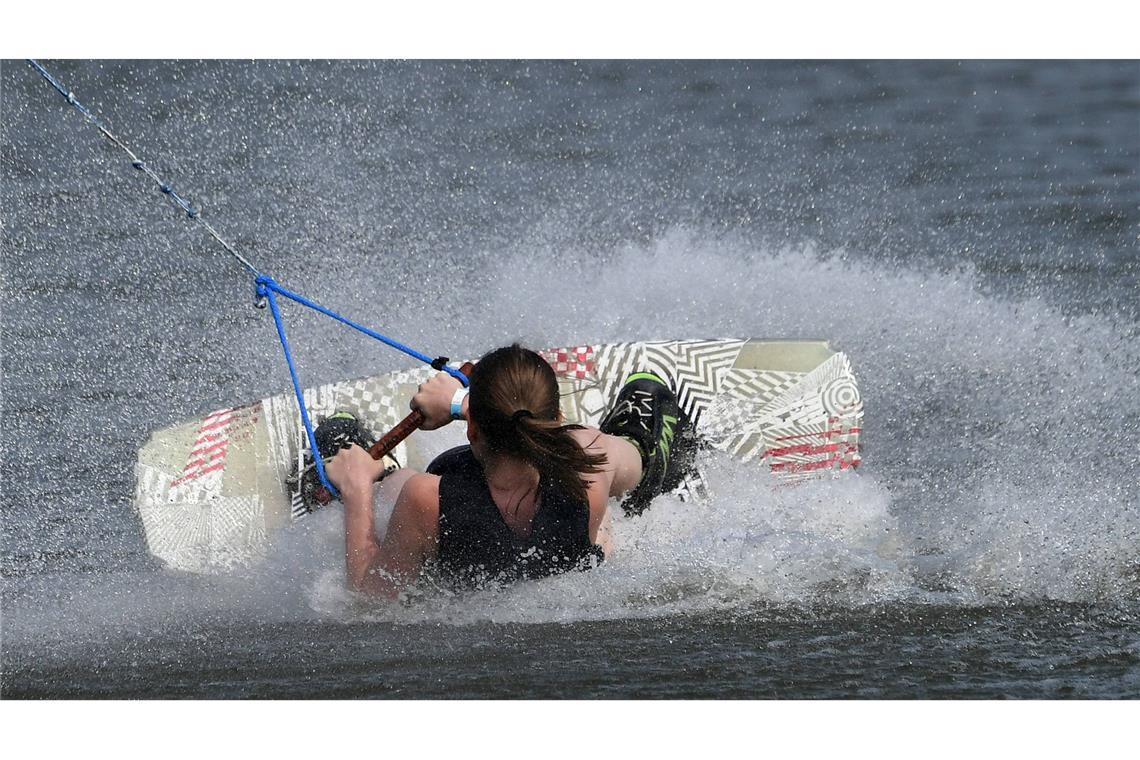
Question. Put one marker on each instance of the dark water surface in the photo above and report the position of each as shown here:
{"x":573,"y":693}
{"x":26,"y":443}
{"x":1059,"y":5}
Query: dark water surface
{"x":966,"y":232}
{"x":1046,"y":652}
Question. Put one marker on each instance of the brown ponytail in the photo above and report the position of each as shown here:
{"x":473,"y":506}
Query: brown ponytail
{"x":514,"y":401}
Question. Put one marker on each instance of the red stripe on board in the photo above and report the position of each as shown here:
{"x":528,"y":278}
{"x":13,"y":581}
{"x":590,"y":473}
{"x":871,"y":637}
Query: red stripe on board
{"x":220,"y":454}
{"x":185,"y":477}
{"x":804,"y":466}
{"x":204,"y":460}
{"x":215,"y":425}
{"x":199,"y":472}
{"x":207,"y":437}
{"x":794,"y":466}
{"x":803,"y":448}
{"x":219,"y":445}
{"x":218,"y":413}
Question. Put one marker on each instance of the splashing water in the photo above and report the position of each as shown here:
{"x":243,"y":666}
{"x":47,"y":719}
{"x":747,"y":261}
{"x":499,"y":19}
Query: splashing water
{"x":986,"y":417}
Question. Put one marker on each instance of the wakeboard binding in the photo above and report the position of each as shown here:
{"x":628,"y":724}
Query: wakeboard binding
{"x":335,"y":432}
{"x":646,"y":413}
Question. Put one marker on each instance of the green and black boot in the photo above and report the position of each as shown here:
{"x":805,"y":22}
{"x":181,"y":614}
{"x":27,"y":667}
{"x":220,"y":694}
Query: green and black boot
{"x":646,"y":414}
{"x":337,"y":431}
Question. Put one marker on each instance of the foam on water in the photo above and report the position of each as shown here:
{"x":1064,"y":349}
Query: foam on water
{"x":999,"y":449}
{"x":1000,"y":457}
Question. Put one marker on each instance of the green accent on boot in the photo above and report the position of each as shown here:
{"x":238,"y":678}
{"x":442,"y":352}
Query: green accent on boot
{"x":645,"y":376}
{"x":666,"y":442}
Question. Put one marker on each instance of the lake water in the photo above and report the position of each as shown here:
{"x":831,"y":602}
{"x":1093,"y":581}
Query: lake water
{"x":966,"y":232}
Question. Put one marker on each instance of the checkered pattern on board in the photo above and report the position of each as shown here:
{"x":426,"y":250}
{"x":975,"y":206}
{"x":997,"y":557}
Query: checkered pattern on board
{"x":372,"y":401}
{"x":576,"y":361}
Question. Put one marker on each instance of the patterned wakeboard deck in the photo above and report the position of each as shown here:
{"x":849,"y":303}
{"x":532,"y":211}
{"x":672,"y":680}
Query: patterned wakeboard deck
{"x":212,"y":492}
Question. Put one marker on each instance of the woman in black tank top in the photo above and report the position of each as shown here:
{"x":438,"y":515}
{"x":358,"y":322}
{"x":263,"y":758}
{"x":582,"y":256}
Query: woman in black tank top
{"x":526,"y":498}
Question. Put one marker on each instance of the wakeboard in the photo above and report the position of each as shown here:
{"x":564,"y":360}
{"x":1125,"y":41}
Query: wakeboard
{"x":212,"y":492}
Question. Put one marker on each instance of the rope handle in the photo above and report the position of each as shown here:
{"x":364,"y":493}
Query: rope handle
{"x":390,"y":440}
{"x":267,"y":292}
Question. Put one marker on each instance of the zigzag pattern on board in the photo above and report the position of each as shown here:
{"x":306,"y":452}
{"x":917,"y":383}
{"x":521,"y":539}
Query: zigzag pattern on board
{"x":798,"y":413}
{"x":694,"y":368}
{"x":730,"y":425}
{"x":757,"y":386}
{"x":731,"y":422}
{"x":614,"y":363}
{"x":833,"y":368}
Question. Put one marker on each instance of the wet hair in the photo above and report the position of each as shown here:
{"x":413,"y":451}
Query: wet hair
{"x":514,"y":402}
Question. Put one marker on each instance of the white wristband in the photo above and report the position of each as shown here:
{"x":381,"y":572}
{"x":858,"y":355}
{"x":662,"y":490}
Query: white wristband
{"x":457,"y":404}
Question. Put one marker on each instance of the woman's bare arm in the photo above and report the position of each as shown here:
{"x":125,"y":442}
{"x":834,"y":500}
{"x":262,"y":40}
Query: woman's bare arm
{"x":384,"y":567}
{"x":621,"y":472}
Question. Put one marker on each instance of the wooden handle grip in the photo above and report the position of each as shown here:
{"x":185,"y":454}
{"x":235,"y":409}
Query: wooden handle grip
{"x":396,"y":435}
{"x":391,"y":439}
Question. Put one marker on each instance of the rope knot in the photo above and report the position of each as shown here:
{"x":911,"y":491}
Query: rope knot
{"x":261,"y":291}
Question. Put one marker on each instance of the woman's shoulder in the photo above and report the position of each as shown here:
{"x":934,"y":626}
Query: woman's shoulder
{"x":589,"y":439}
{"x":420,"y":496}
{"x":422,"y":484}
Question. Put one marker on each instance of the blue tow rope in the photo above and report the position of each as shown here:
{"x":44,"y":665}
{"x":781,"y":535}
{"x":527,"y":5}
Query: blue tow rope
{"x":267,"y":288}
{"x":267,"y":292}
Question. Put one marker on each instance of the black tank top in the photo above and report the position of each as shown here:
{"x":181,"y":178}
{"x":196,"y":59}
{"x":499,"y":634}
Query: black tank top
{"x":475,"y":544}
